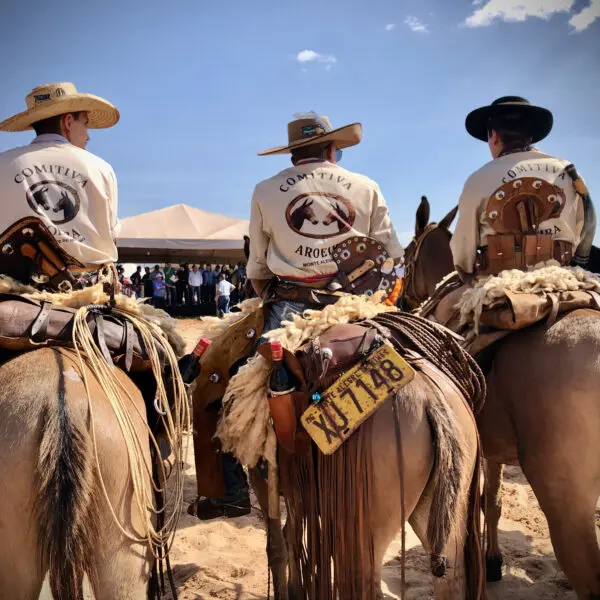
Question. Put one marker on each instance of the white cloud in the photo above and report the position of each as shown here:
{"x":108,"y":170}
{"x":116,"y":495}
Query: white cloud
{"x":521,"y":10}
{"x":390,"y":26}
{"x":415,"y":25}
{"x":583,"y":19}
{"x":517,"y":10}
{"x":312,"y":56}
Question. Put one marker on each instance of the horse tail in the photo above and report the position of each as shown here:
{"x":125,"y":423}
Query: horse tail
{"x":449,"y":465}
{"x":67,"y":512}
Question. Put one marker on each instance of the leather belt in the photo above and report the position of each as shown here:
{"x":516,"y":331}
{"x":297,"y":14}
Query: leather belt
{"x":295,"y":293}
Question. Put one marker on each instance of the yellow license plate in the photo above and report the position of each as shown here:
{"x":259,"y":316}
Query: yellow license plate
{"x":353,"y":398}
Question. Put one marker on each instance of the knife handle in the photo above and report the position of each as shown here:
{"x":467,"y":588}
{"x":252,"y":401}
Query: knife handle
{"x":359,"y":271}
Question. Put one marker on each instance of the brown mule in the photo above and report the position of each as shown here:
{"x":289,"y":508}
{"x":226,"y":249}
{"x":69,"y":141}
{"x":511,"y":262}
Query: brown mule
{"x":542,"y":412}
{"x":345,"y":509}
{"x":422,"y":484}
{"x":53,"y":514}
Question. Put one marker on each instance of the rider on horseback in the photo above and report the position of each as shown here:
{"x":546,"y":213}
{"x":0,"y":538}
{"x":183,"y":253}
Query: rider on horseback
{"x":54,"y":179}
{"x":525,"y":206}
{"x":297,"y":218}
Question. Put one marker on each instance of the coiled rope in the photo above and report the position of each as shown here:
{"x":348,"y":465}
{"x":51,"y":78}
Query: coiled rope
{"x":175,"y":419}
{"x":440,"y":346}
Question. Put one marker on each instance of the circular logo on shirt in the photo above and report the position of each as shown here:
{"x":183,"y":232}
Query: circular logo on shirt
{"x":320,"y":215}
{"x":54,"y":200}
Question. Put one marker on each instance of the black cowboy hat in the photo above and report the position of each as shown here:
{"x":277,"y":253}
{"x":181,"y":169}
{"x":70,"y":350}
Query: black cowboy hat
{"x":539,"y":120}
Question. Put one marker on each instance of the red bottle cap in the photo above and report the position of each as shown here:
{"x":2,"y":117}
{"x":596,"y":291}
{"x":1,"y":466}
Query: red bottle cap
{"x":276,"y":350}
{"x":201,"y":347}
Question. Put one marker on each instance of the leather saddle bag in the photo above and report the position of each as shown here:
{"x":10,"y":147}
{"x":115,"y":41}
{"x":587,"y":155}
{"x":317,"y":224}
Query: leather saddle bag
{"x":328,"y":355}
{"x":28,"y":324}
{"x":314,"y":366}
{"x":286,"y":410}
{"x":30,"y":251}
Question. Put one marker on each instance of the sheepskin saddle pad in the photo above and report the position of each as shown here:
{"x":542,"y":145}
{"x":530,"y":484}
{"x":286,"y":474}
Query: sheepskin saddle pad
{"x":320,"y":347}
{"x":513,"y":299}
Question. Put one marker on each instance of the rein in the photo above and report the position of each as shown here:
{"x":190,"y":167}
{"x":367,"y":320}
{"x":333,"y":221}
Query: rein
{"x":408,"y":297}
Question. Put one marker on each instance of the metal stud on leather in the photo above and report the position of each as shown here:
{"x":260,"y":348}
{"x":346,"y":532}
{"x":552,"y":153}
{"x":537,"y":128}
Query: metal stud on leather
{"x":352,"y":255}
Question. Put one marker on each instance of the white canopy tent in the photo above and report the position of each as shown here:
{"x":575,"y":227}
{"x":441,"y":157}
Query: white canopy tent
{"x":181,"y":233}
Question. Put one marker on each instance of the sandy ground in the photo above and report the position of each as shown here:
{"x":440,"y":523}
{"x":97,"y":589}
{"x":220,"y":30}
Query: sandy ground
{"x":226,"y":559}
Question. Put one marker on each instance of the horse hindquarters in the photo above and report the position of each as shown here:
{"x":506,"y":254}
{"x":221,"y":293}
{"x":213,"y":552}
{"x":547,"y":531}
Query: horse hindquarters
{"x":439,"y":448}
{"x":22,"y":568}
{"x":550,"y":382}
{"x":123,"y":565}
{"x":58,"y":517}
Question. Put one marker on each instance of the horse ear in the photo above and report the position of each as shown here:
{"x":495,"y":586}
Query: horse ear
{"x":309,"y":203}
{"x":422,"y":216}
{"x":447,"y":220}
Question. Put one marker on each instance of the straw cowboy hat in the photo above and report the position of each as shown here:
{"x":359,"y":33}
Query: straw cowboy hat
{"x":55,"y":99}
{"x":538,"y":119}
{"x":312,"y":129}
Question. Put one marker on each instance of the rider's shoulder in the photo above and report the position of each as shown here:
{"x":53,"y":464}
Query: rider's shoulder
{"x":11,"y":153}
{"x":277,"y":178}
{"x":92,"y":159}
{"x":540,"y":155}
{"x":362,"y":179}
{"x":479,"y":177}
{"x":84,"y":156}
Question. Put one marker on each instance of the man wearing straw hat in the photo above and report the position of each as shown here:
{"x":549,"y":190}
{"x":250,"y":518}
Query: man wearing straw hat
{"x":72,"y":191}
{"x":299,"y":214}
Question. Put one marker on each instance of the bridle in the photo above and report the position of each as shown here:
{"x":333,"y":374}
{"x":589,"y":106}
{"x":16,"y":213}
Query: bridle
{"x":409,"y":298}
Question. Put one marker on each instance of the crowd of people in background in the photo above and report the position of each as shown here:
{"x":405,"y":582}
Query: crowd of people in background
{"x":186,"y":285}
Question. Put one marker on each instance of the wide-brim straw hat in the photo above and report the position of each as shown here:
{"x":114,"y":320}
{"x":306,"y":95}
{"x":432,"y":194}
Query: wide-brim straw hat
{"x":317,"y":130}
{"x":539,"y":120}
{"x":55,"y":99}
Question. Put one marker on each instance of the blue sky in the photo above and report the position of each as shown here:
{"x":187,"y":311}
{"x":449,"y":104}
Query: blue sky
{"x":202,"y":86}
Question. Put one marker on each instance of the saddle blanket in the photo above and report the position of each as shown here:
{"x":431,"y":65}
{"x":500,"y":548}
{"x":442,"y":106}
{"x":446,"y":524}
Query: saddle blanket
{"x":510,"y":301}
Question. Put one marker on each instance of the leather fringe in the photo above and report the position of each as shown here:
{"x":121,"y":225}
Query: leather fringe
{"x":330,"y":538}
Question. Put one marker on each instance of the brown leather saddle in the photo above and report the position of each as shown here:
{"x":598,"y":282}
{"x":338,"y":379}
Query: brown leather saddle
{"x":316,"y":366}
{"x":346,"y":343}
{"x":27,"y":324}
